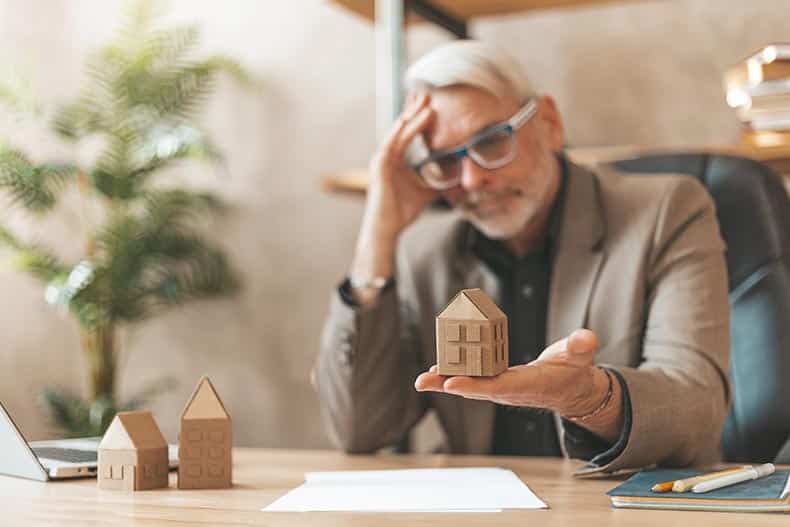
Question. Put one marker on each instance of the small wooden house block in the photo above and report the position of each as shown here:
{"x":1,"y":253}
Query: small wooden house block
{"x":471,"y":336}
{"x":133,"y":454}
{"x":205,"y":441}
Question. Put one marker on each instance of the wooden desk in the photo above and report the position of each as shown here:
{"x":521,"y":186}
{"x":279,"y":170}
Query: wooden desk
{"x":261,"y":476}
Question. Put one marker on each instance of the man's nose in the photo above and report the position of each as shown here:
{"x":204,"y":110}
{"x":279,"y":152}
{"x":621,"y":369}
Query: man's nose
{"x":473,"y":176}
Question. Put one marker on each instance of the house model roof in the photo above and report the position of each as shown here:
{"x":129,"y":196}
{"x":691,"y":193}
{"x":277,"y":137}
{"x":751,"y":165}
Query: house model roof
{"x":205,"y":403}
{"x":133,"y":431}
{"x":472,"y":304}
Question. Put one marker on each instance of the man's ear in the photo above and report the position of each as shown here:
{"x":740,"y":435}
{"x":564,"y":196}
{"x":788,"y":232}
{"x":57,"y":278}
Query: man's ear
{"x":551,"y":119}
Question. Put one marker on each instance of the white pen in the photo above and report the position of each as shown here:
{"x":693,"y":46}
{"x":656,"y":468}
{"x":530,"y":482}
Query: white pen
{"x":735,"y":477}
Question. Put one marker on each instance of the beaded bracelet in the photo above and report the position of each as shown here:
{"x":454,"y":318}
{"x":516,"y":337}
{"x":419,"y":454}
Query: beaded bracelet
{"x":604,"y":403}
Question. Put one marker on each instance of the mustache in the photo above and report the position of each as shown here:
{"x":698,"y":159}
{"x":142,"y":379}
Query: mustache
{"x":472,"y":200}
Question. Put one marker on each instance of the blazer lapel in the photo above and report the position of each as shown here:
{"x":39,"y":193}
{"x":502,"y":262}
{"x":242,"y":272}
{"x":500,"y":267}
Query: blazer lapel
{"x":578,"y":256}
{"x":577,"y":261}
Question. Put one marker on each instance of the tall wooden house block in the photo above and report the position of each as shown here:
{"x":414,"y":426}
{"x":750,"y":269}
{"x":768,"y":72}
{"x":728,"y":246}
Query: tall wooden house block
{"x":133,"y":454}
{"x":471,"y":336}
{"x":205,"y":441}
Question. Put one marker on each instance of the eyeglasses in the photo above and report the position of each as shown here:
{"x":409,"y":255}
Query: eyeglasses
{"x":492,"y":148}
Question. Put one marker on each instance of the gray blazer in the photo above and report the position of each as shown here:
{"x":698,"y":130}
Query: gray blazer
{"x":639,"y":260}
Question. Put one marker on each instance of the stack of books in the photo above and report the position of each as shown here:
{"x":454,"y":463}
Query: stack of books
{"x":759,"y":91}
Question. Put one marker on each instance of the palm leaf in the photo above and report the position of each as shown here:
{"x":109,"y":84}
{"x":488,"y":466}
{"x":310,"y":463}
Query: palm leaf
{"x":163,"y":145}
{"x":36,"y":260}
{"x":204,"y":274}
{"x":171,"y":206}
{"x":80,"y":118}
{"x":70,"y":413}
{"x":41,"y":264}
{"x":35,"y":187}
{"x":154,"y":257}
{"x":8,"y":239}
{"x":233,"y":69}
{"x":79,"y":418}
{"x":112,"y":176}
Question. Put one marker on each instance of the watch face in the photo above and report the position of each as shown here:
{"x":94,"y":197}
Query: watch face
{"x":377,"y":282}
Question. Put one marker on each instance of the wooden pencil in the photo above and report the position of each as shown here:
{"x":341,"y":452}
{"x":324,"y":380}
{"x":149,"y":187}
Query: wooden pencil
{"x":663,"y":487}
{"x":684,"y":485}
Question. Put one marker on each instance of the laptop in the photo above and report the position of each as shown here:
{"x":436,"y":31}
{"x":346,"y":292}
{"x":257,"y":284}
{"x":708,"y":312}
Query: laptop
{"x":50,"y":460}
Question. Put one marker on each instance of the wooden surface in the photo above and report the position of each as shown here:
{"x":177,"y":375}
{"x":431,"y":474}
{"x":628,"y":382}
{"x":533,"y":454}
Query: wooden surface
{"x":261,"y":476}
{"x":355,"y":181}
{"x":466,"y":9}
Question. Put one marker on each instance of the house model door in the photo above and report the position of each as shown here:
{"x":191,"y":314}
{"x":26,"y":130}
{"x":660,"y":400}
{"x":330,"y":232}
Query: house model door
{"x":129,"y":477}
{"x":474,"y":360}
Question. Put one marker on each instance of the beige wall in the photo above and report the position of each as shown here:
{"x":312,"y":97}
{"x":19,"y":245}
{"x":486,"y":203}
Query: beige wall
{"x":639,"y":74}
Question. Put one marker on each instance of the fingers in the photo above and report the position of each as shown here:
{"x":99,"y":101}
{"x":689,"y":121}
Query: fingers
{"x":414,"y":103}
{"x":413,"y":106}
{"x":516,"y":386}
{"x":577,"y":349}
{"x":413,"y":127}
{"x":467,"y":387}
{"x":581,"y":347}
{"x":555,"y":349}
{"x":471,"y":387}
{"x":415,"y":118}
{"x":582,"y":341}
{"x":430,"y":382}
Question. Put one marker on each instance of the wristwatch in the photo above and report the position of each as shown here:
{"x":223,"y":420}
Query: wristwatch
{"x":376,"y":282}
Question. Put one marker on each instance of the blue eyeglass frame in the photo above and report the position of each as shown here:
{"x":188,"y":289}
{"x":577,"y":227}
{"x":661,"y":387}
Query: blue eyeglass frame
{"x":430,"y":163}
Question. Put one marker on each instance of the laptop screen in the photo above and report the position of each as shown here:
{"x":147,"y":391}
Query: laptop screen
{"x":16,"y":458}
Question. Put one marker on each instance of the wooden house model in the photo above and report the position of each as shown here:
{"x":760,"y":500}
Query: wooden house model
{"x":205,"y":440}
{"x":133,"y":454}
{"x":471,"y":336}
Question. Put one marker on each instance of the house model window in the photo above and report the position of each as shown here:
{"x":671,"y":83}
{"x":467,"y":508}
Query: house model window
{"x":471,"y":336}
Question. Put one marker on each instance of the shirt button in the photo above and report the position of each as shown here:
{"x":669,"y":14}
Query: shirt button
{"x":527,"y":291}
{"x":345,"y":354}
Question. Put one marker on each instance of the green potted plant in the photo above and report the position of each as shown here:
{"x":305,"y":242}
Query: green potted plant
{"x":145,"y":252}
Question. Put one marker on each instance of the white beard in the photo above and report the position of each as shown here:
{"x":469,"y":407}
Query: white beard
{"x":502,"y":224}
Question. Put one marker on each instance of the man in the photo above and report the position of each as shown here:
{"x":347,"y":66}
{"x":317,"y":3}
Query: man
{"x":638,"y":259}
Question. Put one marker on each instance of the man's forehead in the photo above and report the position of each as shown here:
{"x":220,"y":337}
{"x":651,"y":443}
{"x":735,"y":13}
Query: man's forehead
{"x":461,"y":112}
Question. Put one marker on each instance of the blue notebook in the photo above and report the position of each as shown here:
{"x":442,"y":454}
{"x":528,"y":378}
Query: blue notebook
{"x":760,"y":495}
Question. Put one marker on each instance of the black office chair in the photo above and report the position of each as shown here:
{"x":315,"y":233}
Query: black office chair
{"x":754,"y":215}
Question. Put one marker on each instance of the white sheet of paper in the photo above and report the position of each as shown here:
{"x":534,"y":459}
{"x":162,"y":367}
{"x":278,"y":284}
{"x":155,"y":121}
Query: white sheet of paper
{"x":411,"y":490}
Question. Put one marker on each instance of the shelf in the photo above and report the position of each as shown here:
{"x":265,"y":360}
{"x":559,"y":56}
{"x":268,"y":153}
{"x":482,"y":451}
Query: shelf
{"x":354,"y":182}
{"x":467,"y":9}
{"x":348,"y":182}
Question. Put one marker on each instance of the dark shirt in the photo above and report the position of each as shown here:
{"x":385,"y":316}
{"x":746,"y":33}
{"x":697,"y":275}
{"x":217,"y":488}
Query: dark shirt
{"x":524,"y":282}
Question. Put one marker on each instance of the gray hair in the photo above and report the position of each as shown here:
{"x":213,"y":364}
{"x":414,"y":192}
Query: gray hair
{"x":470,"y":63}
